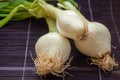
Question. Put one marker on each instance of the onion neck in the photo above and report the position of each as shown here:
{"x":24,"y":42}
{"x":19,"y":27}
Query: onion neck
{"x":51,"y":24}
{"x":70,"y":6}
{"x":85,"y":34}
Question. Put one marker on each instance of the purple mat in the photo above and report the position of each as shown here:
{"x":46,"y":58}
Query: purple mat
{"x":18,"y":38}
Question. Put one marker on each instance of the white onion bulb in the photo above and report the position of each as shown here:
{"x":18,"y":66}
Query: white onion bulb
{"x":71,"y":25}
{"x":52,"y":51}
{"x":97,"y":46}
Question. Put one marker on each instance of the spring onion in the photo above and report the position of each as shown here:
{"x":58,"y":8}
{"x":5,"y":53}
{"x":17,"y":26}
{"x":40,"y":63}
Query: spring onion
{"x":97,"y":46}
{"x":52,"y":51}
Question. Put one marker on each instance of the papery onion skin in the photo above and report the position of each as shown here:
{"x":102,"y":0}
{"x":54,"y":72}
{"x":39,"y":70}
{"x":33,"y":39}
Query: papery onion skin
{"x":52,"y":51}
{"x":97,"y":46}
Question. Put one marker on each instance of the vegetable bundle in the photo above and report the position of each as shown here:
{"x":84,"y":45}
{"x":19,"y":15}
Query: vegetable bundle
{"x":92,"y":39}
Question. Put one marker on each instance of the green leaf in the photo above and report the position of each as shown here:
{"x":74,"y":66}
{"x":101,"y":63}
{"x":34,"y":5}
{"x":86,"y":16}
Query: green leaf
{"x":3,"y":4}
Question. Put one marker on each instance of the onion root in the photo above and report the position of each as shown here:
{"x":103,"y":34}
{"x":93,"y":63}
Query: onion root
{"x":106,"y":63}
{"x":54,"y":65}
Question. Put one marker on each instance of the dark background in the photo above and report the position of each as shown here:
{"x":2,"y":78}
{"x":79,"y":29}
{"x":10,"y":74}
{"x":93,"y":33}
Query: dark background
{"x":18,"y":38}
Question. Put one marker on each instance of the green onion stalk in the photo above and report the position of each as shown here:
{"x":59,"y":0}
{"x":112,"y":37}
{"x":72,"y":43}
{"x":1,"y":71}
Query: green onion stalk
{"x":17,"y":10}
